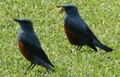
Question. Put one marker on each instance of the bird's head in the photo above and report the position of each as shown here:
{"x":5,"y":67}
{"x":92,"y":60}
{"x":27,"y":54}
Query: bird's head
{"x":25,"y":24}
{"x":69,"y":9}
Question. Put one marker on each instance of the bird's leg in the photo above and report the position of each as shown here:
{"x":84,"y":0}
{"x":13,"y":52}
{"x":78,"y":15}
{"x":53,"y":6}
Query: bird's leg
{"x":30,"y":66}
{"x":33,"y":66}
{"x":79,"y":47}
{"x":47,"y":70}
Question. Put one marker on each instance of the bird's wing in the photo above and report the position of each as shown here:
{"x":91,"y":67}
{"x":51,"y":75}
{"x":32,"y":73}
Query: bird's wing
{"x":32,"y":44}
{"x":79,"y":28}
{"x":92,"y":34}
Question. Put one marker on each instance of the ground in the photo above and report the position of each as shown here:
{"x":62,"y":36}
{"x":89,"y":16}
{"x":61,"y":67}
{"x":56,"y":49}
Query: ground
{"x":103,"y":18}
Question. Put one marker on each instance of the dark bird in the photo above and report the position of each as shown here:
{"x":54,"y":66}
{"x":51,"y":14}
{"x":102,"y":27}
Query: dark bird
{"x":77,"y":31}
{"x":30,"y":47}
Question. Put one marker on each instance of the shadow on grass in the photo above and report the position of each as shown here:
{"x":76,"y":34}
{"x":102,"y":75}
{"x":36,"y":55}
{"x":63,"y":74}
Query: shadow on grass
{"x":82,"y":50}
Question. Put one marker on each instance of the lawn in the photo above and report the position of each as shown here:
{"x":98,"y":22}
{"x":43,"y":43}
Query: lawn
{"x":103,"y":17}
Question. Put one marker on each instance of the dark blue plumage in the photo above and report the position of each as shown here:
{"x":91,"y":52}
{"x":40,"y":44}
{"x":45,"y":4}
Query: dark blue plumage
{"x":75,"y":25}
{"x":30,"y":47}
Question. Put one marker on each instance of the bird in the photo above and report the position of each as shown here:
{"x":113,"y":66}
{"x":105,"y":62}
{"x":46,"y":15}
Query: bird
{"x":30,"y":47}
{"x":77,"y":31}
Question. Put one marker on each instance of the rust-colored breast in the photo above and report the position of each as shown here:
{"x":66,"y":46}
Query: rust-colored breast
{"x":25,"y":52}
{"x":72,"y":39}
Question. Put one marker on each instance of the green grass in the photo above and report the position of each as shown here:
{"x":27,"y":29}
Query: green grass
{"x":103,"y":17}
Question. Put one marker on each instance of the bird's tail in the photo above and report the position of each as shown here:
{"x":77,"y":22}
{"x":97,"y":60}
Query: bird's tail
{"x":102,"y":46}
{"x":51,"y":69}
{"x":48,"y":65}
{"x":106,"y":48}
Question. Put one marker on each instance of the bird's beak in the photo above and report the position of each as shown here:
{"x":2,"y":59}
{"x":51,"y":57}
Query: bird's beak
{"x":60,"y":9}
{"x":16,"y":20}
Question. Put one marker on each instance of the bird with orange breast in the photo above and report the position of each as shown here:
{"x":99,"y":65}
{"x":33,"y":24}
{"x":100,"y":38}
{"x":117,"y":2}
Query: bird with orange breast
{"x":30,"y":47}
{"x":77,"y":31}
